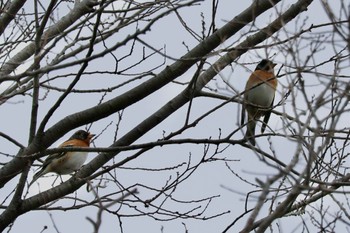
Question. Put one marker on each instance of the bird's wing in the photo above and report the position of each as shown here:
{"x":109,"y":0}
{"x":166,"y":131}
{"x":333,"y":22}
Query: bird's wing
{"x":267,"y":117}
{"x":245,"y":98}
{"x":243,"y":113}
{"x":51,"y":157}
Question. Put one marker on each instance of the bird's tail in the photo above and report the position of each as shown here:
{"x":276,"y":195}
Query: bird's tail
{"x":38,"y":175}
{"x":250,"y":134}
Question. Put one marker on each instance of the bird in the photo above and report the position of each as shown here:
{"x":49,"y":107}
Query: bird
{"x":66,"y":162}
{"x":259,"y":96}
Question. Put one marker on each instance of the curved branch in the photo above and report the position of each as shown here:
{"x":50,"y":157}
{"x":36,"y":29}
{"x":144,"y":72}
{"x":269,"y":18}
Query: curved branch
{"x":12,"y":140}
{"x":9,"y":13}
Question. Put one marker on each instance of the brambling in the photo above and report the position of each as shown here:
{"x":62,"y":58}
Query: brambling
{"x":66,"y":162}
{"x":258,"y":97}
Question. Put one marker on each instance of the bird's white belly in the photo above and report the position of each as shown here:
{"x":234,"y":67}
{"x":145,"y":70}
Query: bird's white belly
{"x":261,"y":95}
{"x":74,"y":163}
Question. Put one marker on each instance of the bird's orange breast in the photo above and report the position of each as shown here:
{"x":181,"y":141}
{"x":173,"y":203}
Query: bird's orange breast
{"x":261,"y":76}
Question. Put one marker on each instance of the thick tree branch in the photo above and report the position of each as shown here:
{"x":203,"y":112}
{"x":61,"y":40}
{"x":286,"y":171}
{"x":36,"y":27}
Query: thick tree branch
{"x":9,"y":13}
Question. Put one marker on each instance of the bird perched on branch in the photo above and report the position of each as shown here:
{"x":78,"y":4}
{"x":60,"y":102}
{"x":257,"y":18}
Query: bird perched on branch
{"x":67,"y":162}
{"x":258,"y":97}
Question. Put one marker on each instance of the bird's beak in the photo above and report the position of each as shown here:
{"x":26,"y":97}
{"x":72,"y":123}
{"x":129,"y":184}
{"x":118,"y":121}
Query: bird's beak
{"x":91,"y":136}
{"x":274,"y":64}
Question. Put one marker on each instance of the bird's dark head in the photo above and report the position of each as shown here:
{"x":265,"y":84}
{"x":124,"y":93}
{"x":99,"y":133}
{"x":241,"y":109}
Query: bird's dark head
{"x":82,"y":135}
{"x":266,"y":65}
